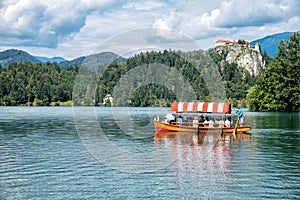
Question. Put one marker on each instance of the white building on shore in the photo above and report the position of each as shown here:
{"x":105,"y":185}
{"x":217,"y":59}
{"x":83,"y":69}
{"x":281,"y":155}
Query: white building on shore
{"x":108,"y":98}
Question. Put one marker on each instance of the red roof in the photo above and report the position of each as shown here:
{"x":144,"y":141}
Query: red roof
{"x":230,"y":42}
{"x":224,"y":41}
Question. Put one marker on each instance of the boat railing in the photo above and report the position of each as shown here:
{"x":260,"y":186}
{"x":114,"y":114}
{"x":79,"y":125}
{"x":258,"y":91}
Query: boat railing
{"x":196,"y":124}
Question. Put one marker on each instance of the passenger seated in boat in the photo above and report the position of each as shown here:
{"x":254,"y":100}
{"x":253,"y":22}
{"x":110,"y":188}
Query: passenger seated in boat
{"x":190,"y":120}
{"x":173,"y":121}
{"x":184,"y":120}
{"x":220,"y":123}
{"x":211,"y":123}
{"x":227,"y":122}
{"x":231,"y":122}
{"x":179,"y":120}
{"x":201,"y":121}
{"x":206,"y":121}
{"x":170,"y":118}
{"x":195,"y":122}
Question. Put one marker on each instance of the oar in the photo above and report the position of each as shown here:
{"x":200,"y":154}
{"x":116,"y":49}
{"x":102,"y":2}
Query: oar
{"x":235,"y":127}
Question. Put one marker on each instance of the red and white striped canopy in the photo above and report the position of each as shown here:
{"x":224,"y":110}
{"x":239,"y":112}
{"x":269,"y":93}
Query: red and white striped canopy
{"x":211,"y":107}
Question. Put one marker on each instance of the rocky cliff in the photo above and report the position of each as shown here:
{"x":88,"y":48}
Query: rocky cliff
{"x":249,"y":58}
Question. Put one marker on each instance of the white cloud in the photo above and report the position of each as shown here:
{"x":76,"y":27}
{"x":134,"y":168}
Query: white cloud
{"x":74,"y":27}
{"x":169,"y":21}
{"x":144,"y":5}
{"x":209,"y":19}
{"x":236,"y":13}
{"x":45,"y":23}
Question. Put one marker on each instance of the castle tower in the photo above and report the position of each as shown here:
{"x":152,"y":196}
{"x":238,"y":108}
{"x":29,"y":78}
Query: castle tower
{"x":256,"y":47}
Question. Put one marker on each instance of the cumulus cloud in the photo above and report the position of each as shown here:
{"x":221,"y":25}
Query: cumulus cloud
{"x":72,"y":27}
{"x":232,"y":19}
{"x":45,"y":23}
{"x":145,"y":5}
{"x":236,"y":13}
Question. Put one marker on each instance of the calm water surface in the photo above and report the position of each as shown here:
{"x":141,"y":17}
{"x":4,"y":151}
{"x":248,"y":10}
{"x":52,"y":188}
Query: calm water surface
{"x":42,"y":156}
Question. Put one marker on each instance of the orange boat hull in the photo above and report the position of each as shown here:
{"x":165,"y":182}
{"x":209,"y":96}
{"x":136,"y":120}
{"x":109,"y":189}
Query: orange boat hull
{"x":163,"y":127}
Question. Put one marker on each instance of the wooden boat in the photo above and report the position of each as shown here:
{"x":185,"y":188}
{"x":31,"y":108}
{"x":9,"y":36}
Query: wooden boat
{"x":200,"y":108}
{"x":163,"y":127}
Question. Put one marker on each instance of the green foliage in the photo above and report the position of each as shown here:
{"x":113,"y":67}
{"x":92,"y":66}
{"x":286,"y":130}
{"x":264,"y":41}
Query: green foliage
{"x":240,"y":41}
{"x":267,"y":58}
{"x":35,"y":84}
{"x":143,"y":93}
{"x":152,"y":94}
{"x":48,"y":84}
{"x":244,"y":103}
{"x":234,"y":102}
{"x":279,"y":87}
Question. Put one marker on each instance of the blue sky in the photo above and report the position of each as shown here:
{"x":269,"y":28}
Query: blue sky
{"x":72,"y":28}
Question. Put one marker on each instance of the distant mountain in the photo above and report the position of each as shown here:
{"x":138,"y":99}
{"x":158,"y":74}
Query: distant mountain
{"x":93,"y":60}
{"x":270,"y":43}
{"x":72,"y":63}
{"x":16,"y":56}
{"x":54,"y":59}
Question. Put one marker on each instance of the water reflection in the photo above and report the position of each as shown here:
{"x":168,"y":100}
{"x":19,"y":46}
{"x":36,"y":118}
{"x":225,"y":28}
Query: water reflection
{"x":201,"y":165}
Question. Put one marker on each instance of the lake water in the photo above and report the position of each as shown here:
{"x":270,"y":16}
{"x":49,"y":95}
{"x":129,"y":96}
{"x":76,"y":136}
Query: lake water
{"x":105,"y":153}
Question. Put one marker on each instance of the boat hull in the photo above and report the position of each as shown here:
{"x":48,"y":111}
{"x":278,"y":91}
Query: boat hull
{"x":163,"y":127}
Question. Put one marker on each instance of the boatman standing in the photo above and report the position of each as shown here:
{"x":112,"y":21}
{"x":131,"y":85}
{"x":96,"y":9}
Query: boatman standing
{"x":179,"y":120}
{"x":241,"y":117}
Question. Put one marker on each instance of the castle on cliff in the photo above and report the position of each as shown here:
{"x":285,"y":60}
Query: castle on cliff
{"x":244,"y":43}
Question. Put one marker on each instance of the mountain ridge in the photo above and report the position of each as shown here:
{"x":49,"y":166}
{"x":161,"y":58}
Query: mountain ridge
{"x":269,"y":43}
{"x":16,"y":56}
{"x":57,"y":59}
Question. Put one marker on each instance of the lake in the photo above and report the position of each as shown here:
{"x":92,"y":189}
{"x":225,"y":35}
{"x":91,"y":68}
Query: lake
{"x":110,"y":153}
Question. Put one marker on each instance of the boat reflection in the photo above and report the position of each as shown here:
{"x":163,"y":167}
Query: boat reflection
{"x":200,"y":161}
{"x":199,"y":138}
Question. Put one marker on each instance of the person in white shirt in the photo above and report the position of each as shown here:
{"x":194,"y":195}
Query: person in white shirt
{"x":227,"y":123}
{"x":211,"y":123}
{"x":195,"y":122}
{"x":206,"y":121}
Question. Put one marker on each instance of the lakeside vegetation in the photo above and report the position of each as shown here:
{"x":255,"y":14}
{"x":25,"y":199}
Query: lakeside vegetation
{"x":276,"y":88}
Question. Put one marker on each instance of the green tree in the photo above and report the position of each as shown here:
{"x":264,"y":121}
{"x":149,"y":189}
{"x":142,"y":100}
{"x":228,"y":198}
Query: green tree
{"x":279,"y":87}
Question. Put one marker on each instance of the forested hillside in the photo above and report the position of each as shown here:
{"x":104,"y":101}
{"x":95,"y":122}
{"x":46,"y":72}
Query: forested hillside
{"x":48,"y":84}
{"x":35,"y":84}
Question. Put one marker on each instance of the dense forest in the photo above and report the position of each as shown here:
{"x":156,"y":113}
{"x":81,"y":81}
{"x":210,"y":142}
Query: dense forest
{"x":48,"y":84}
{"x":157,"y":79}
{"x":35,"y":84}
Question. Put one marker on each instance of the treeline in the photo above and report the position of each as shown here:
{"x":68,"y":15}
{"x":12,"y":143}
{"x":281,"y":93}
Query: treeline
{"x":35,"y":84}
{"x":146,"y":79}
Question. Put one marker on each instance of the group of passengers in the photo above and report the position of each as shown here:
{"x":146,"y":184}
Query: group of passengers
{"x":198,"y":122}
{"x":211,"y":122}
{"x":204,"y":122}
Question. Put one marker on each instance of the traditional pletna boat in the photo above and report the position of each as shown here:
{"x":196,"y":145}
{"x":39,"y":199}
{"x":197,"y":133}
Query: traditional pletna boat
{"x":200,"y":108}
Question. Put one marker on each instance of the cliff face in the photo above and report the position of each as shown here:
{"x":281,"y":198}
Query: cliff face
{"x":250,"y":59}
